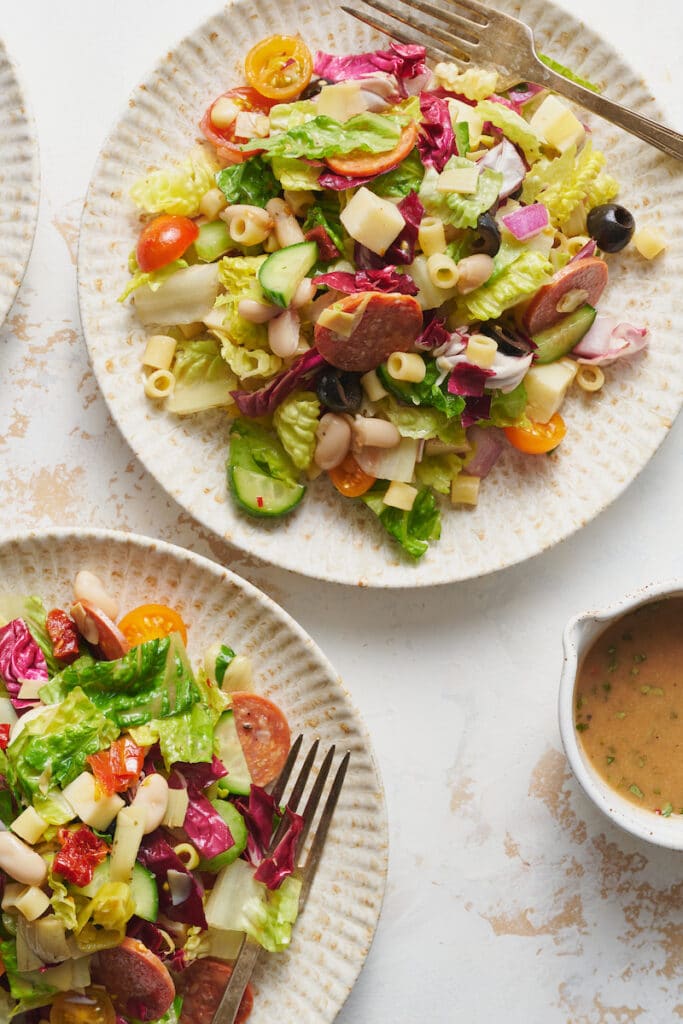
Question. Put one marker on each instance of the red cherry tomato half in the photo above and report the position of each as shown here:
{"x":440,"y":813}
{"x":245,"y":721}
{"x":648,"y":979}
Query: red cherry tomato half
{"x":537,"y":438}
{"x":163,"y":240}
{"x":224,"y":139}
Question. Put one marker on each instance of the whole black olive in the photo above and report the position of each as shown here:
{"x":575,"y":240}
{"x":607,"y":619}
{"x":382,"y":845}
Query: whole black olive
{"x":339,"y":390}
{"x":510,"y":342}
{"x":313,"y":88}
{"x":487,"y":238}
{"x":611,"y":226}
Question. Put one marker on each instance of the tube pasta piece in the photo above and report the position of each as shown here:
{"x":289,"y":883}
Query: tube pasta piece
{"x":187,"y":854}
{"x":407,"y":366}
{"x":159,"y":352}
{"x":373,"y":387}
{"x":442,"y":271}
{"x":160,"y":384}
{"x":212,"y":203}
{"x":287,"y":228}
{"x":589,"y":378}
{"x":431,"y":236}
{"x":248,"y":225}
{"x":481,"y":351}
{"x":576,"y":244}
{"x":465,"y":490}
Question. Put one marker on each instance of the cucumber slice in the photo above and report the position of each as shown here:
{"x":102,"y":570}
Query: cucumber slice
{"x":282,"y":273}
{"x":235,"y":822}
{"x":229,"y":750}
{"x":143,"y":889}
{"x":398,"y":388}
{"x":262,"y":477}
{"x":213,"y":241}
{"x":561,"y":338}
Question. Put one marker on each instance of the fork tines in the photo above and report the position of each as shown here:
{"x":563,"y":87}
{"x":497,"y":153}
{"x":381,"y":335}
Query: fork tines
{"x":306,"y":867}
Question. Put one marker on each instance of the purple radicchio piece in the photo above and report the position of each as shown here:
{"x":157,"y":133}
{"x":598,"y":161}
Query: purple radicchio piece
{"x":403,"y":61}
{"x":273,"y":870}
{"x":156,"y":855}
{"x":436,"y":141}
{"x":20,"y":659}
{"x":388,"y":279}
{"x":266,"y":400}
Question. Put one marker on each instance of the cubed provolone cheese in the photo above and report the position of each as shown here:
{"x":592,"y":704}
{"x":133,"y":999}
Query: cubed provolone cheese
{"x":341,"y":101}
{"x":546,"y":387}
{"x":29,"y":826}
{"x":99,"y":812}
{"x":459,"y":179}
{"x":649,"y":242}
{"x":12,"y":892}
{"x":557,"y":125}
{"x":464,"y":112}
{"x":32,"y":903}
{"x":372,"y":221}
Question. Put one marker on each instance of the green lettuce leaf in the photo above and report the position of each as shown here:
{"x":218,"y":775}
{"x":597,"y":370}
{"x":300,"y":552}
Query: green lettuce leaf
{"x":462,"y":211}
{"x":571,"y":75}
{"x":438,"y":471}
{"x":296,"y":422}
{"x":8,"y":808}
{"x":323,"y":136}
{"x":52,"y":748}
{"x":29,"y":990}
{"x":238,"y":275}
{"x":325,"y":214}
{"x":284,"y":116}
{"x":431,"y":393}
{"x":176,"y":189}
{"x":153,"y":278}
{"x":424,"y":421}
{"x":32,"y":611}
{"x":519,"y":279}
{"x":295,"y":174}
{"x":413,"y":530}
{"x":251,"y":182}
{"x":405,"y":178}
{"x":474,"y":83}
{"x":203,"y":379}
{"x":154,"y":680}
{"x":62,"y":902}
{"x":513,"y":127}
{"x":507,"y":410}
{"x":184,"y":737}
{"x":239,"y":903}
{"x":54,"y":807}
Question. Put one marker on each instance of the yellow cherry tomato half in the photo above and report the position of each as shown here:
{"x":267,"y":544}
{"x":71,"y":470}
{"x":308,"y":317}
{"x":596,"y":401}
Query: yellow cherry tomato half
{"x":279,"y":67}
{"x":537,"y":438}
{"x":90,"y":1007}
{"x":151,"y":622}
{"x":349,"y":479}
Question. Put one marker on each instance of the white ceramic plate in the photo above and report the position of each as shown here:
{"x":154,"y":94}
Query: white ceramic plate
{"x":19,"y":183}
{"x":310,"y":982}
{"x":526,"y":504}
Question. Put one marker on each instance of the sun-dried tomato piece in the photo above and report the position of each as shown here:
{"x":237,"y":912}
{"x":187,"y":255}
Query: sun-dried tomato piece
{"x":63,"y":635}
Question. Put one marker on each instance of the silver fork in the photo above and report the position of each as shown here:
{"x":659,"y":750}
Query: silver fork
{"x":465,"y":31}
{"x":249,"y":952}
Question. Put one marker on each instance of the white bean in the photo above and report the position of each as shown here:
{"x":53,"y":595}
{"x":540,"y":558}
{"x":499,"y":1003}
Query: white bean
{"x":283,"y":334}
{"x":89,"y":587}
{"x":304,"y":293}
{"x":257,"y":312}
{"x":473,"y":271}
{"x":334,"y":441}
{"x":374,"y":433}
{"x":152,"y":797}
{"x":20,"y":862}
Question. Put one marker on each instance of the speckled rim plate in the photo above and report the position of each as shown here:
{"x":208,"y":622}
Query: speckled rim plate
{"x":310,"y":982}
{"x":526,"y":504}
{"x":19,"y":182}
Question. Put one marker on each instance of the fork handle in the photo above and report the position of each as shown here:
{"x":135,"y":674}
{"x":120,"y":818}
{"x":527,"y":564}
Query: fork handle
{"x":242,"y":972}
{"x":657,"y":135}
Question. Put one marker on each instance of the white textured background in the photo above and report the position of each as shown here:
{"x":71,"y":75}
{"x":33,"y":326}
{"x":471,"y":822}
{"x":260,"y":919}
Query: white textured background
{"x":509,"y":899}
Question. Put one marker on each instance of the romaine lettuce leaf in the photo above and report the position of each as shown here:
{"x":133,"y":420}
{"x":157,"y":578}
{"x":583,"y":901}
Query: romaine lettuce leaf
{"x":295,"y":174}
{"x":438,"y":471}
{"x":325,"y":214}
{"x":176,"y":189}
{"x":246,"y":362}
{"x":568,"y":180}
{"x":238,"y":275}
{"x":239,"y":903}
{"x":323,"y":136}
{"x":63,"y":903}
{"x":507,"y":410}
{"x":32,"y":611}
{"x":475,"y":83}
{"x":251,"y":182}
{"x":413,"y":530}
{"x":424,"y":422}
{"x":432,"y":393}
{"x":462,"y":211}
{"x":571,"y":75}
{"x":154,"y":680}
{"x":405,"y":178}
{"x":513,"y":127}
{"x":186,"y":737}
{"x":202,"y":378}
{"x":52,"y":748}
{"x":284,"y":116}
{"x":295,"y":422}
{"x":29,"y":990}
{"x":519,"y":279}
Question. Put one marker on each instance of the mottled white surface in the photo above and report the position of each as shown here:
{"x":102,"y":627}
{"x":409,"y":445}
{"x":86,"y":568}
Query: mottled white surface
{"x":509,"y":899}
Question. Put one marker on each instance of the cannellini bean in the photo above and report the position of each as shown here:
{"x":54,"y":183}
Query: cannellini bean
{"x":89,"y":587}
{"x":283,"y":334}
{"x":152,"y":797}
{"x":257,"y":312}
{"x":334,"y":441}
{"x":304,"y":293}
{"x":20,"y":862}
{"x":473,"y":271}
{"x":374,"y":433}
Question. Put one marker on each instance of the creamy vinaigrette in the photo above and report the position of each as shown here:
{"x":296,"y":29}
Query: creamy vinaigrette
{"x":629,"y":706}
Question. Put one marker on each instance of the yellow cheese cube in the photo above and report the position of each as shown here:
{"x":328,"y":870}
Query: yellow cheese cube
{"x":649,"y":242}
{"x":341,"y":101}
{"x":32,"y":903}
{"x":465,"y":490}
{"x":399,"y":495}
{"x":29,"y":826}
{"x":99,"y":812}
{"x":546,"y":387}
{"x":372,"y":221}
{"x":557,"y":125}
{"x":12,"y":892}
{"x":459,"y":179}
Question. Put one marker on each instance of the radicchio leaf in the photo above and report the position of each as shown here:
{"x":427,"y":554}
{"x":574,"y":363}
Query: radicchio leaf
{"x":201,"y":775}
{"x":203,"y":824}
{"x":20,"y":659}
{"x":267,"y":399}
{"x":468,"y":379}
{"x":260,"y":814}
{"x":274,"y":869}
{"x":476,"y":408}
{"x":488,"y":446}
{"x":339,"y":182}
{"x":434,"y":332}
{"x":156,"y":855}
{"x":399,"y":60}
{"x":402,"y":249}
{"x":385,"y":280}
{"x":436,"y":141}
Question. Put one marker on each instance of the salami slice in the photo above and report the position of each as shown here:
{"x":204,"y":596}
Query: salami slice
{"x":135,"y":978}
{"x":201,"y":985}
{"x":385,"y":323}
{"x":263,"y":734}
{"x":588,"y":275}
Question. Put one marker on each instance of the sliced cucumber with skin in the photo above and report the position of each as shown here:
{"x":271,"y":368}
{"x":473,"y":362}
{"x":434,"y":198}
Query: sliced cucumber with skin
{"x":143,"y":889}
{"x":400,"y":389}
{"x":229,"y":751}
{"x":238,"y":830}
{"x":282,"y":273}
{"x":213,"y":241}
{"x":560,"y":339}
{"x":262,"y":477}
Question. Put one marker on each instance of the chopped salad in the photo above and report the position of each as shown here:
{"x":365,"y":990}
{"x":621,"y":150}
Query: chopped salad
{"x":384,"y":273}
{"x":137,"y":835}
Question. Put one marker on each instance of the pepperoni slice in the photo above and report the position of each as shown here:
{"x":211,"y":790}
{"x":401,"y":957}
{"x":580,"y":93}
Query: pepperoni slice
{"x":587,"y":275}
{"x":263,"y":733}
{"x":201,"y":985}
{"x":360,"y":165}
{"x":388,"y":323}
{"x":135,"y":977}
